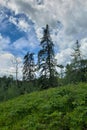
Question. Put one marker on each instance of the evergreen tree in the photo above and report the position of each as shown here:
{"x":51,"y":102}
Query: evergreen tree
{"x":46,"y":61}
{"x":76,"y":71}
{"x":76,"y":56}
{"x":29,"y":67}
{"x":84,"y":70}
{"x":69,"y":74}
{"x":76,"y":62}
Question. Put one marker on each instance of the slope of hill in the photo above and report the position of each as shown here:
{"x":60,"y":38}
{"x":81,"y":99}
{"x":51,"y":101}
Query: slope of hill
{"x":63,"y":108}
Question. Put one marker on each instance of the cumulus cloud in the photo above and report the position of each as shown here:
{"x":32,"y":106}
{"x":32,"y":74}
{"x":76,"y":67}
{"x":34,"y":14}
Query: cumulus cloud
{"x":64,"y":57}
{"x":20,"y":44}
{"x":84,"y":47}
{"x":71,"y":13}
{"x":7,"y":67}
{"x":72,"y":17}
{"x":23,"y":43}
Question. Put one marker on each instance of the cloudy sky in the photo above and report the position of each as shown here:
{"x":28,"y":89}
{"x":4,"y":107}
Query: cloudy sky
{"x":22,"y":23}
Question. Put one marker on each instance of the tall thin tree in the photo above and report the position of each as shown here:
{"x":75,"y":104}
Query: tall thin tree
{"x":29,"y":67}
{"x":76,"y":70}
{"x":76,"y":56}
{"x":16,"y":62}
{"x":46,"y":61}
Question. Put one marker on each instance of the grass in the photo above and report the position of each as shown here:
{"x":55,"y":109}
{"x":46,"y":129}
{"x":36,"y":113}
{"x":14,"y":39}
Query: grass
{"x":63,"y":108}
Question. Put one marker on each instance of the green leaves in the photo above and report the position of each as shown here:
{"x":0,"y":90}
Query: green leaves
{"x":63,"y":108}
{"x":46,"y":61}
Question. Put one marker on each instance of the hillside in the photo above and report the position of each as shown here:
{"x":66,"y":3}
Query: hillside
{"x":63,"y":108}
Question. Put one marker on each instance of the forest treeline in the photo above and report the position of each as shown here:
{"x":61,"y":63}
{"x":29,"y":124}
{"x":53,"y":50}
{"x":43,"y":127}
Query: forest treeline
{"x":44,"y":74}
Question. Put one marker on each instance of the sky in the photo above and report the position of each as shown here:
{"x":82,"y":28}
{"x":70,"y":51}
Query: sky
{"x":21,"y":29}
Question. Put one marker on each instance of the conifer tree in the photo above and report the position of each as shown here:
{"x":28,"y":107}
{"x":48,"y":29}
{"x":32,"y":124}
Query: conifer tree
{"x":76,"y":71}
{"x":29,"y":67}
{"x":46,"y":61}
{"x":76,"y":56}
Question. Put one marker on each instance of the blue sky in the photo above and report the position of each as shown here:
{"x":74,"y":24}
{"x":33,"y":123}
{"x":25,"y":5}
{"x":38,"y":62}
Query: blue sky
{"x":22,"y":23}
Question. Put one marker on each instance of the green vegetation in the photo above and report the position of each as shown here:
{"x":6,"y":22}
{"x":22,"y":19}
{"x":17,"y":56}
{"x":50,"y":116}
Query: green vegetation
{"x":41,"y":72}
{"x":62,"y":108}
{"x":47,"y":62}
{"x":9,"y":89}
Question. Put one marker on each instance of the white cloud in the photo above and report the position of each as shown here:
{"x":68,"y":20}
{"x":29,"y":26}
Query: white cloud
{"x":5,"y":63}
{"x":20,"y":23}
{"x":3,"y":2}
{"x":20,"y":44}
{"x":64,"y":57}
{"x":23,"y":25}
{"x":7,"y":67}
{"x":71,"y":13}
{"x":13,"y":20}
{"x":23,"y":45}
{"x":4,"y":42}
{"x":84,"y":47}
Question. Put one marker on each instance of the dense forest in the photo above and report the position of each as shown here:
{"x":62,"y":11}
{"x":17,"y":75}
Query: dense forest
{"x":43,"y":74}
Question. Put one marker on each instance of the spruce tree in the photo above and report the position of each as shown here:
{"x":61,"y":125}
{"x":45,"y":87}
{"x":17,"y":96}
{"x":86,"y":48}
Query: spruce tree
{"x":76,"y":56}
{"x":46,"y":61}
{"x":29,"y":67}
{"x":76,"y":71}
{"x":76,"y":62}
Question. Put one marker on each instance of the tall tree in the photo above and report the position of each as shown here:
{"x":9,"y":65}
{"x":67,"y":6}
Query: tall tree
{"x":16,"y":62}
{"x":76,"y":56}
{"x":76,"y":62}
{"x":46,"y":61}
{"x":76,"y":71}
{"x":29,"y":67}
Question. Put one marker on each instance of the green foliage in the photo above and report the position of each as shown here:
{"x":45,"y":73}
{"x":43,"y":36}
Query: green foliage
{"x":63,"y":108}
{"x":29,"y":67}
{"x":76,"y":75}
{"x":46,"y":61}
{"x":77,"y":70}
{"x":9,"y":89}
